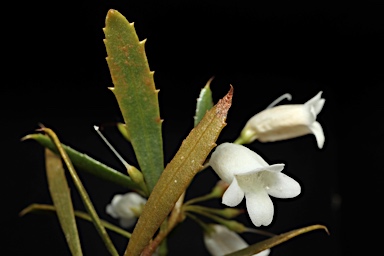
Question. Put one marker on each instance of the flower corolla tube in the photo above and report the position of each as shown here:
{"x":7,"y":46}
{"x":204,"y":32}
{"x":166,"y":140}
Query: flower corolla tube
{"x":222,"y":241}
{"x":251,"y":177}
{"x":127,"y":208}
{"x":285,"y":122}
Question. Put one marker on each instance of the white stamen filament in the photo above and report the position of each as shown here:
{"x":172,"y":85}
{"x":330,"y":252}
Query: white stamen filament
{"x":282,"y":97}
{"x":110,"y":146}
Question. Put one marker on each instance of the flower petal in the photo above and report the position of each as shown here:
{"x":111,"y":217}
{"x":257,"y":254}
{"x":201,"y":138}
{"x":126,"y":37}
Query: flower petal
{"x":109,"y":209}
{"x":263,"y":253}
{"x":280,"y":185}
{"x":260,"y":207}
{"x":317,"y":130}
{"x":275,"y":168}
{"x":127,"y":222}
{"x":233,"y":195}
{"x":314,"y":99}
{"x":229,"y":159}
{"x":319,"y":106}
{"x":122,"y":205}
{"x":316,"y":103}
{"x":223,"y":241}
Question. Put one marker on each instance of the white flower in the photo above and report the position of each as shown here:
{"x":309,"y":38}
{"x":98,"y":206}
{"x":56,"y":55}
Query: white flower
{"x":250,"y":176}
{"x":126,"y":207}
{"x":223,"y":241}
{"x":285,"y":122}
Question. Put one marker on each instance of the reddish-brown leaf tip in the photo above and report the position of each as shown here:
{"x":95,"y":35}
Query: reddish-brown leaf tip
{"x":224,"y":104}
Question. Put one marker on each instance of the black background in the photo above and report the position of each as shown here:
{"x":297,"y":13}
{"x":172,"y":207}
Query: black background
{"x":55,"y":73}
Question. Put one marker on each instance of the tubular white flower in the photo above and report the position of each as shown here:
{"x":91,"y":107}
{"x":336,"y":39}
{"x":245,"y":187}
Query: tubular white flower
{"x":251,"y":177}
{"x":223,"y":241}
{"x":126,"y":208}
{"x":286,"y":122}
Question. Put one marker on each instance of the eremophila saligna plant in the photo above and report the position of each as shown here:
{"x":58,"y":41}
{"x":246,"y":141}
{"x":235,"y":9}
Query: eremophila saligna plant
{"x":154,"y":202}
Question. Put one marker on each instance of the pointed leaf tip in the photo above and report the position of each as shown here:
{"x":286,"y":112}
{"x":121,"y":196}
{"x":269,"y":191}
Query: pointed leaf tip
{"x":204,"y":102}
{"x":110,"y":11}
{"x":209,"y":82}
{"x":224,"y":104}
{"x":26,"y":137}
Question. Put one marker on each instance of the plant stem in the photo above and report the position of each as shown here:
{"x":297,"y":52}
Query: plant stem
{"x":79,"y":214}
{"x":203,"y":225}
{"x":200,"y":199}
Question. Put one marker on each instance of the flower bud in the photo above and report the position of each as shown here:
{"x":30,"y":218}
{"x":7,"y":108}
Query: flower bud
{"x":127,"y":208}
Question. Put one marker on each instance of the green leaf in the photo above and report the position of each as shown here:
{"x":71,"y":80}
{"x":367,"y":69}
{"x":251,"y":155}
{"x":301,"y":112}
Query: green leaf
{"x":135,"y":91}
{"x":88,"y":164}
{"x":204,"y":102}
{"x":82,"y":215}
{"x":83,"y":193}
{"x":273,"y":241}
{"x":61,"y":197}
{"x":178,"y":174}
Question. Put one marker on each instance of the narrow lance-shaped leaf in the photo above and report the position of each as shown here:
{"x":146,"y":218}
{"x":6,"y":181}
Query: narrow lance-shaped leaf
{"x":82,"y":215}
{"x":135,"y":91}
{"x":83,"y":193}
{"x":87,"y":163}
{"x":273,"y":241}
{"x":204,"y":102}
{"x":178,"y":174}
{"x":61,"y":197}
